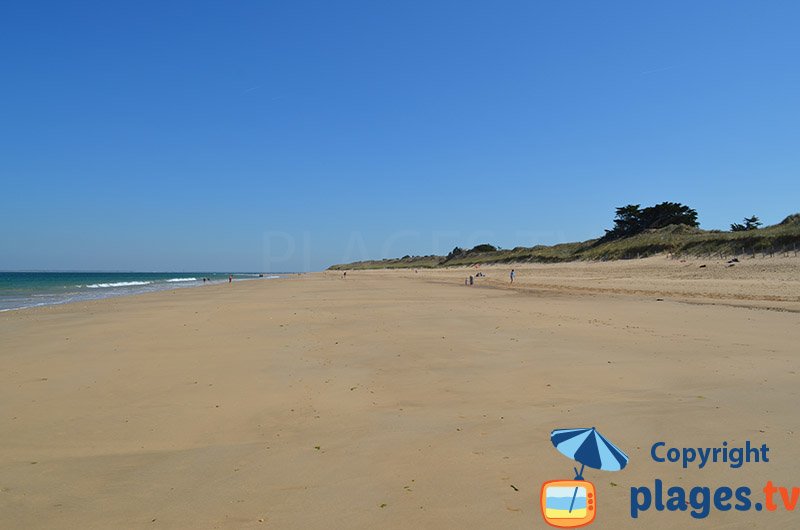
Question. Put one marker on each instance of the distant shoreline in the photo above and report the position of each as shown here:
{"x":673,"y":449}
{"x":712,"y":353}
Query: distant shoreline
{"x":22,"y":290}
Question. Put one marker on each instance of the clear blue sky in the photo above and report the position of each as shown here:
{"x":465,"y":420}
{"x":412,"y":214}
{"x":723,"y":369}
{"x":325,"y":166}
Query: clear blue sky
{"x":292,"y":135}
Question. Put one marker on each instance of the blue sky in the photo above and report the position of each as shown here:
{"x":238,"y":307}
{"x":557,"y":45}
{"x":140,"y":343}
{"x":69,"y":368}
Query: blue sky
{"x":292,"y":135}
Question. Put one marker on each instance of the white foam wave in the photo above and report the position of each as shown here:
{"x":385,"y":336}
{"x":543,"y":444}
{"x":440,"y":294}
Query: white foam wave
{"x":115,"y":284}
{"x":182,"y":280}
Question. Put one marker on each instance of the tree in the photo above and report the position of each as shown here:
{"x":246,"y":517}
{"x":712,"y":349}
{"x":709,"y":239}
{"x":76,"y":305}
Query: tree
{"x":486,"y":247}
{"x":627,"y":221}
{"x":750,"y":223}
{"x":668,"y":213}
{"x":632,"y":219}
{"x":456,"y":252}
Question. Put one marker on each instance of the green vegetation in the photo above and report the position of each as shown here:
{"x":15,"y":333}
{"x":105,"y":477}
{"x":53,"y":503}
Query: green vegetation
{"x":632,"y":219}
{"x":407,"y":262}
{"x":750,"y":223}
{"x":679,"y":239}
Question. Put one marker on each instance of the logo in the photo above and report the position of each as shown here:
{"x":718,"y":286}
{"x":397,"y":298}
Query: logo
{"x":568,"y":503}
{"x":701,"y":501}
{"x":573,"y":503}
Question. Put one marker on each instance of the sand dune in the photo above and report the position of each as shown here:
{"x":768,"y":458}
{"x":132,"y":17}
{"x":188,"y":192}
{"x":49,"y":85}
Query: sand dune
{"x":394,"y":399}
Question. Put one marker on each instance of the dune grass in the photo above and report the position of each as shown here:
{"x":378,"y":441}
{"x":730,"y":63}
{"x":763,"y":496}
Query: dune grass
{"x":679,"y":240}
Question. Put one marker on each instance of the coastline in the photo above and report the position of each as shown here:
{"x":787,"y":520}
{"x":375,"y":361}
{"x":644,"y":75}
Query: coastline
{"x":387,"y":399}
{"x":24,"y":289}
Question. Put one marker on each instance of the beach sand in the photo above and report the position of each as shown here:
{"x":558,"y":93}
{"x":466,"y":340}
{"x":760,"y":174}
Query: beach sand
{"x":394,"y":399}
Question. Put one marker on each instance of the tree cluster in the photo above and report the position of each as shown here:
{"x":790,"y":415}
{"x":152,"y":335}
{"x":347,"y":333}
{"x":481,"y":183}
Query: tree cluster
{"x":459,"y":252}
{"x":632,"y":219}
{"x":750,"y":223}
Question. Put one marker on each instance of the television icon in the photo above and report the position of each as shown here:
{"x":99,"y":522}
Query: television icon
{"x":568,"y":503}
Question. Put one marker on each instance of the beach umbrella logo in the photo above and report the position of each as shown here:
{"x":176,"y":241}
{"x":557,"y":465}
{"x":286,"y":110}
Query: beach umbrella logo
{"x":573,"y":503}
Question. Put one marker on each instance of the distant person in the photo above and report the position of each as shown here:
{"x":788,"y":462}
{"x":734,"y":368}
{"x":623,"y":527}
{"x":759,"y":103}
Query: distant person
{"x":512,"y":275}
{"x":230,"y":278}
{"x":344,"y":276}
{"x":471,"y":280}
{"x":204,"y":280}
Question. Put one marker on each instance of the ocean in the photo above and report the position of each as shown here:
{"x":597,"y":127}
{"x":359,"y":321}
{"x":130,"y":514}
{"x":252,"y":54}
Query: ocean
{"x":32,"y":289}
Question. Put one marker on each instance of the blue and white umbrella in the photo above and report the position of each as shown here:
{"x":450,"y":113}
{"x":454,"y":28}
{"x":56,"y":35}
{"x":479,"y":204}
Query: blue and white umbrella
{"x":590,"y":448}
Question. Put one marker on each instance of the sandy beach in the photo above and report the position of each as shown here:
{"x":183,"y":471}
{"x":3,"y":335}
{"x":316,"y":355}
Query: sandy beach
{"x":396,"y":399}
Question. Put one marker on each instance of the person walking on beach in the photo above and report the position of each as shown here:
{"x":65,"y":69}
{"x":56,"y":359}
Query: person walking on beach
{"x":230,"y":278}
{"x":471,"y":280}
{"x":512,"y":275}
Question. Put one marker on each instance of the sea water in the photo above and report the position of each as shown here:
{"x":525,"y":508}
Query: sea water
{"x":31,"y":289}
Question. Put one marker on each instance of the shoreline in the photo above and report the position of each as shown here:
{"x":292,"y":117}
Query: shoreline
{"x":165,"y":285}
{"x":770,"y":283}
